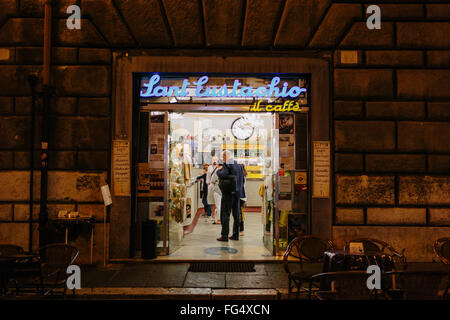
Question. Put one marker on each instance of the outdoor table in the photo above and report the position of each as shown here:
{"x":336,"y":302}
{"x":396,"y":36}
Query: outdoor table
{"x":68,"y":222}
{"x":9,"y":263}
{"x":343,"y":260}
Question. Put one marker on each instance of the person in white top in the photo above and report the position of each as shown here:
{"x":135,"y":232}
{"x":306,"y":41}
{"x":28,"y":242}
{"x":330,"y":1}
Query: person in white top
{"x":210,"y":170}
{"x":214,"y":190}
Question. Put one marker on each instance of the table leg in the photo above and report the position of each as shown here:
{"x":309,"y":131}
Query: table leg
{"x":104,"y":236}
{"x":92,"y":242}
{"x":67,"y":237}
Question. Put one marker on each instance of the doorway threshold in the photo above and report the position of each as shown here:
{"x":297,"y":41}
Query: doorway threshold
{"x":164,"y":259}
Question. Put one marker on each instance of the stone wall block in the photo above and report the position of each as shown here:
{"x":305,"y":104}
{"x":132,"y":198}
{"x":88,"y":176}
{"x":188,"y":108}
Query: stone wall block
{"x":395,"y":163}
{"x":424,"y":190}
{"x":348,"y":162}
{"x":439,"y":163}
{"x":395,"y":110}
{"x":22,"y":212}
{"x":5,"y":212}
{"x":423,"y":136}
{"x":439,"y":110}
{"x":363,"y":83}
{"x":394,"y":58}
{"x":364,"y":136}
{"x":420,"y":84}
{"x":75,"y":186}
{"x":440,"y":216}
{"x":388,"y":216}
{"x":349,"y":216}
{"x":348,"y":109}
{"x":421,"y":35}
{"x":364,"y":189}
{"x":82,"y":80}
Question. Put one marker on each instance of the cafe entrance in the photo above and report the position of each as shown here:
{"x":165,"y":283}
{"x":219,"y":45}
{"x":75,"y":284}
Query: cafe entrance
{"x":242,"y":90}
{"x":178,"y":143}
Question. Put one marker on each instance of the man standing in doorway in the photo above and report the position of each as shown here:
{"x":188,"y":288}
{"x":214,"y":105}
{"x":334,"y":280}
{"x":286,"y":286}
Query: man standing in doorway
{"x":231,"y":174}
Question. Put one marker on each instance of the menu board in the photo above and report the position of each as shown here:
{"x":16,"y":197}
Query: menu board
{"x":156,"y":188}
{"x":150,"y":181}
{"x":321,"y":169}
{"x":121,"y":168}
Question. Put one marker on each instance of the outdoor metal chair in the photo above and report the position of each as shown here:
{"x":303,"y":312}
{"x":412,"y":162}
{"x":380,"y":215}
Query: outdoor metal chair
{"x":7,"y":250}
{"x":10,"y":250}
{"x":50,"y":272}
{"x":345,"y":285}
{"x":441,"y":248}
{"x":415,"y":285}
{"x":398,"y":259}
{"x":304,"y":249}
{"x":55,"y":258}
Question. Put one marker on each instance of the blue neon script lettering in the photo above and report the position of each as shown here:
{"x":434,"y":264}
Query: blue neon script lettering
{"x":152,"y":89}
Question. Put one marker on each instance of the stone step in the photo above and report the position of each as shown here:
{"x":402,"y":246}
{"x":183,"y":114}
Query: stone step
{"x":182,"y":293}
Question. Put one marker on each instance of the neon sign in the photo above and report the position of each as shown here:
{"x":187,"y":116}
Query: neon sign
{"x":287,"y":106}
{"x":152,"y":89}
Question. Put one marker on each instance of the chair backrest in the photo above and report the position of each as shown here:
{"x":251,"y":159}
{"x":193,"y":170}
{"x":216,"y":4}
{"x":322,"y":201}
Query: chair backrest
{"x":55,"y":258}
{"x":442,"y":250}
{"x":10,"y":250}
{"x":421,"y":285}
{"x":375,"y":245}
{"x":307,"y":249}
{"x":348,"y":285}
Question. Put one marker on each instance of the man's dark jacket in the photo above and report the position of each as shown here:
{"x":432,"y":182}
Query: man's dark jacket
{"x":238,"y":172}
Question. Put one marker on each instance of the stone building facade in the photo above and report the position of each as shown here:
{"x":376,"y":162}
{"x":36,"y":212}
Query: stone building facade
{"x":390,"y":102}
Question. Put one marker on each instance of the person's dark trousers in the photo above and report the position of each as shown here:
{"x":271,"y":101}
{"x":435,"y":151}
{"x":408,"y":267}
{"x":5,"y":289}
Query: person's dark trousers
{"x":207,"y":207}
{"x":241,"y":225}
{"x":230,"y":204}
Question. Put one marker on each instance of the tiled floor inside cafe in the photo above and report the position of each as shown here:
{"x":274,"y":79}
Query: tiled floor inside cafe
{"x":201,"y":244}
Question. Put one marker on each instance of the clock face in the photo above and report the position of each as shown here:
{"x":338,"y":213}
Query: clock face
{"x":242,"y":129}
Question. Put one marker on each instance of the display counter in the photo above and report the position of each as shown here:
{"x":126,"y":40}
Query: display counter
{"x":193,"y":201}
{"x":252,"y":192}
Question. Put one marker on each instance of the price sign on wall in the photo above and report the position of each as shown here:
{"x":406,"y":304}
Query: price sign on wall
{"x":321,"y":169}
{"x":121,"y":168}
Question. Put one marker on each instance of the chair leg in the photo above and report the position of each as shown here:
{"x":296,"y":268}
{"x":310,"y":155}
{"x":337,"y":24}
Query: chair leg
{"x":310,"y":290}
{"x":290,"y":288}
{"x":299,"y":285}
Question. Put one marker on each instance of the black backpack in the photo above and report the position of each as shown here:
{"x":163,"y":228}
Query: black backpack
{"x":228,"y":185}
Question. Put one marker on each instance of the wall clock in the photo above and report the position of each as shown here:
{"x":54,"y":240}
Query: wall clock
{"x":242,"y":129}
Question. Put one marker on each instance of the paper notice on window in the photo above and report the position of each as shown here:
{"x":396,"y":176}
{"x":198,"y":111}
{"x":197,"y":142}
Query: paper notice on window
{"x":121,"y":168}
{"x":321,"y":169}
{"x":287,"y":163}
{"x":156,"y":141}
{"x":300,"y":178}
{"x":285,"y":184}
{"x":143,"y":185}
{"x":284,"y":202}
